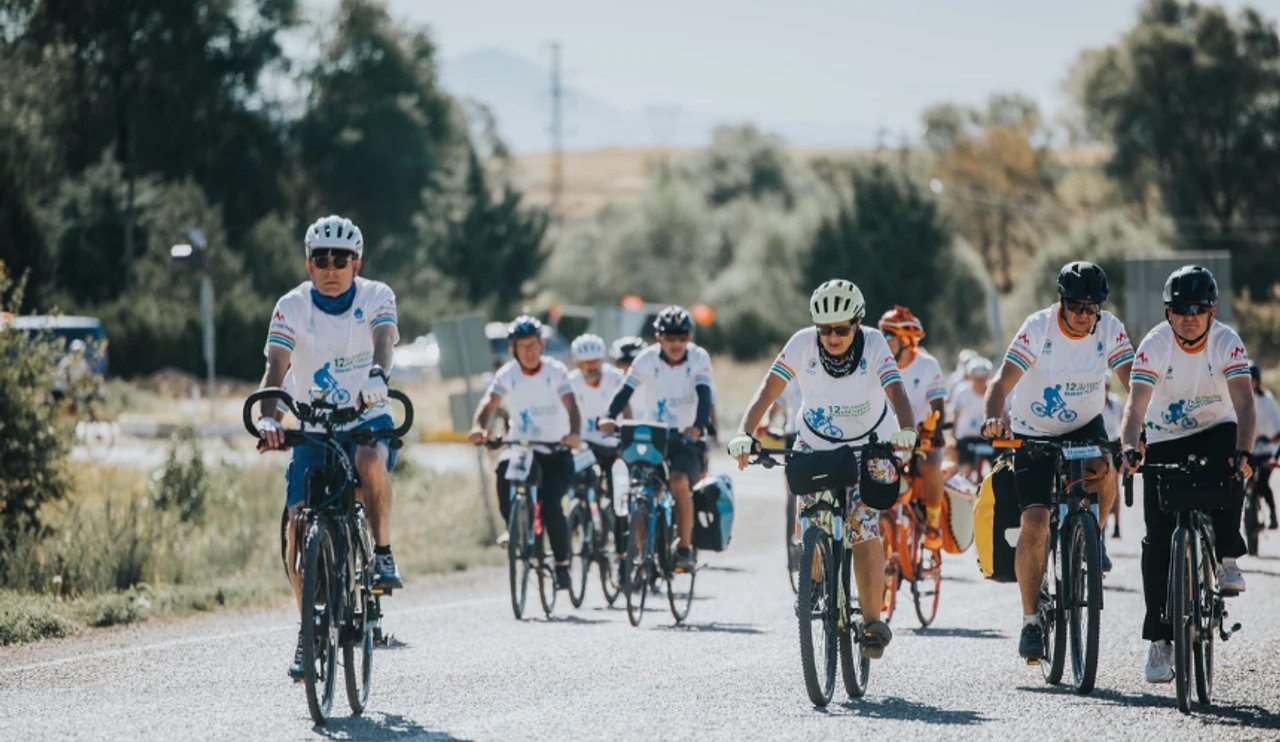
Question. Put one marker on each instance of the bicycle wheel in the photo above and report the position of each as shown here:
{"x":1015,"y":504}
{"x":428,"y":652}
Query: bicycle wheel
{"x":546,"y":573}
{"x":606,"y":551}
{"x":1083,"y":580}
{"x":360,"y":638}
{"x":855,"y":669}
{"x":892,"y":570}
{"x":319,"y":621}
{"x":1053,"y":619}
{"x":635,"y":568}
{"x":926,"y":579}
{"x":816,"y":615}
{"x":793,"y":545}
{"x":580,"y":534}
{"x":1252,"y":518}
{"x":1208,"y":617}
{"x":518,"y":531}
{"x":1181,"y":616}
{"x":679,"y":584}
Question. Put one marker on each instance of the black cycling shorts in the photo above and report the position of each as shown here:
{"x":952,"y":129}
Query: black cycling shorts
{"x":1034,"y":474}
{"x":685,"y":458}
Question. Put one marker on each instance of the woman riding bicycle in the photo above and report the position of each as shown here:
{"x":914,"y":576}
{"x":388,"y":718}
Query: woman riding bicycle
{"x":1198,"y":364}
{"x":847,"y":374}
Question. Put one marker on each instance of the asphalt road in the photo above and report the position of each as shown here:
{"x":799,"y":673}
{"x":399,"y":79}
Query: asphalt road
{"x":464,"y":668}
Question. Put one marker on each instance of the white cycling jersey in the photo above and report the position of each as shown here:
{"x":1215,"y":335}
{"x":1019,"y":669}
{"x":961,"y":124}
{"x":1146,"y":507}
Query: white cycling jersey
{"x":1063,"y":385}
{"x":333,"y":352}
{"x":593,"y":401}
{"x":790,"y":402}
{"x":846,"y":408}
{"x":923,"y":380}
{"x":1189,"y":390}
{"x":670,"y":395}
{"x":534,"y":400}
{"x":966,"y":411}
{"x":1268,"y":427}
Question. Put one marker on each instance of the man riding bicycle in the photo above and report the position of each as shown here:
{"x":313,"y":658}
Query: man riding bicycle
{"x":847,"y":374}
{"x":336,"y":331}
{"x":1267,"y":438}
{"x":540,"y":400}
{"x":1199,"y":363}
{"x":922,"y":378}
{"x":595,"y":383}
{"x":674,"y":376}
{"x":1067,"y":348}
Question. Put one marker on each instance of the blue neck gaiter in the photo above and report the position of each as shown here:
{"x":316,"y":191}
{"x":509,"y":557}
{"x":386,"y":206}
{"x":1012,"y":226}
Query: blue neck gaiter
{"x":334,"y":304}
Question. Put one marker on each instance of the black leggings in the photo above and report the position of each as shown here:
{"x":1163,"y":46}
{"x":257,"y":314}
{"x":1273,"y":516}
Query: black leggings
{"x":1218,"y":444}
{"x":557,"y":472}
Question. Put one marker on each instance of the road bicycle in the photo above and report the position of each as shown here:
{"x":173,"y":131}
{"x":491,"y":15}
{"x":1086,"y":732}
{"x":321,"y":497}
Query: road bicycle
{"x":1194,"y":607}
{"x":1071,"y":602}
{"x":906,"y":558}
{"x":591,"y":523}
{"x":341,"y":604}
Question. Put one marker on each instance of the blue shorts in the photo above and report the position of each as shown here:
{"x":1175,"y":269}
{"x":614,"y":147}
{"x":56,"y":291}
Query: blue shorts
{"x":309,"y":456}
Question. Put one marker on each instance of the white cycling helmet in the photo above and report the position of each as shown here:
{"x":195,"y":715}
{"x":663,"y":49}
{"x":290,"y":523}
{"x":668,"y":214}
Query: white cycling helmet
{"x":334,"y":233}
{"x":978,"y":367}
{"x":588,"y":348}
{"x":835,"y":301}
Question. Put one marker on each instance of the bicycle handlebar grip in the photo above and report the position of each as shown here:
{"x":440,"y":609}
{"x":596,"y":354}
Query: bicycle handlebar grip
{"x":1005,"y":443}
{"x":259,"y":396}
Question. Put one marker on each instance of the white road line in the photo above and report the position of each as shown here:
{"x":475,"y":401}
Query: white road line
{"x":171,"y":643}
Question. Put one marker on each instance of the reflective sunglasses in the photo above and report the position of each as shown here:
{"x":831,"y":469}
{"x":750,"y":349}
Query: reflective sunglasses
{"x":1082,"y":307}
{"x":324,"y":260}
{"x":840,"y":331}
{"x":1183,"y":309}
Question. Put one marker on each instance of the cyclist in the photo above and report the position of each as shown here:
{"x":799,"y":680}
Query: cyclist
{"x":623,"y":352}
{"x":849,"y":380}
{"x":1112,"y":411}
{"x":675,"y":376}
{"x":338,"y":330}
{"x":961,"y":373}
{"x":595,"y":383}
{"x":922,"y":377}
{"x":1191,"y":357}
{"x":966,"y":415}
{"x":543,"y":409}
{"x":1067,"y":348}
{"x":1268,"y":435}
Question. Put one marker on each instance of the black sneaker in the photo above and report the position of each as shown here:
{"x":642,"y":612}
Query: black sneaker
{"x":563,"y":582}
{"x":1106,"y":560}
{"x":298,"y":669}
{"x":385,"y":572}
{"x":1031,"y":643}
{"x":685,"y":561}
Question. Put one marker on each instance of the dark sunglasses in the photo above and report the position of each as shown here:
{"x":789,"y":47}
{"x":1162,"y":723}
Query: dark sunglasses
{"x":324,"y":260}
{"x":1183,"y":309}
{"x":1082,"y":307}
{"x":840,"y":331}
{"x":674,"y":336}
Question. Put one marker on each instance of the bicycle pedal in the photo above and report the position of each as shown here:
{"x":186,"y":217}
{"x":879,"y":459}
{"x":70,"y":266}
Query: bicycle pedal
{"x":1033,"y":661}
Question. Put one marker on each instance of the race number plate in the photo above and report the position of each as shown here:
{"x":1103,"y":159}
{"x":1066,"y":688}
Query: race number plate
{"x":583,"y":460}
{"x":1075,"y":453}
{"x":519,"y":463}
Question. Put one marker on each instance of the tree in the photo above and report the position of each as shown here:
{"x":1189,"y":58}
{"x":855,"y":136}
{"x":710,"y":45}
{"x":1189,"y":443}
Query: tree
{"x":1188,"y":99}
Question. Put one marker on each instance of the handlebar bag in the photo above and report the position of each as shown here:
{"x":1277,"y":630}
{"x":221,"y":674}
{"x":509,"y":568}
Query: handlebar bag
{"x":814,"y":471}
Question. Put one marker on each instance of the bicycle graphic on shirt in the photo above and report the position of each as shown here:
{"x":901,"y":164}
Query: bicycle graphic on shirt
{"x":1054,"y":405}
{"x":664,"y":415}
{"x":527,"y":426}
{"x":820,"y":422}
{"x":1176,"y":416}
{"x":333,"y":392}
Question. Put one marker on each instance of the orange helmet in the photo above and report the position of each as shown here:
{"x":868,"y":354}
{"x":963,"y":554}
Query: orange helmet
{"x":902,"y":323}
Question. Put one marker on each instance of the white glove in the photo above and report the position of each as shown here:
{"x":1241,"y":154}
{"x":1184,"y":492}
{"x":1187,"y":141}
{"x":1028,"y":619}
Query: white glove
{"x":741,"y":445}
{"x":268,"y":425}
{"x":374,"y":391}
{"x":905,"y":438}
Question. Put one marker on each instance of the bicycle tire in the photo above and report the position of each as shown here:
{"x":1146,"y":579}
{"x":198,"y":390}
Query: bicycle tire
{"x":580,"y":535}
{"x":1084,"y":587}
{"x":518,"y":530}
{"x":358,"y":683}
{"x":816,"y":604}
{"x":610,"y":580}
{"x":679,"y":584}
{"x":793,"y":545}
{"x":635,"y":582}
{"x":546,"y":573}
{"x":319,"y":629}
{"x":855,"y":670}
{"x":1053,"y":620}
{"x":1180,"y":594}
{"x":926,"y":579}
{"x":1208,"y":617}
{"x":1252,"y":518}
{"x":892,"y":570}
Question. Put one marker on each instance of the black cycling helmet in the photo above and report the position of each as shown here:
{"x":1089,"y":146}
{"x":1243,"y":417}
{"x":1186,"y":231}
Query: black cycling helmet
{"x":524,"y":326}
{"x":673,"y":321}
{"x":1083,"y":281}
{"x":625,"y":350}
{"x":1191,"y":284}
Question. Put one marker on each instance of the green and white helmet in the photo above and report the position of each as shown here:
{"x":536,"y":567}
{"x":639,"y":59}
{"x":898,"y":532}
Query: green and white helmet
{"x":835,"y":301}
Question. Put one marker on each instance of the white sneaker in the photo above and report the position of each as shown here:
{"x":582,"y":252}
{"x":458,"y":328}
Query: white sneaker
{"x":1230,"y":581}
{"x":503,"y":539}
{"x":1160,"y":662}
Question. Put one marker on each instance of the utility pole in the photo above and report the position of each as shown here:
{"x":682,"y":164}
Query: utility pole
{"x":557,"y":135}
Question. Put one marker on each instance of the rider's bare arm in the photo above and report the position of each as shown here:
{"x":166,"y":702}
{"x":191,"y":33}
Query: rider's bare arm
{"x":575,"y":416}
{"x":1135,"y":410}
{"x":1122,"y":372}
{"x":485,"y":410}
{"x":897,"y":394}
{"x":766,"y":394}
{"x":998,"y":390}
{"x":384,"y":343}
{"x":278,"y":360}
{"x":1241,"y":391}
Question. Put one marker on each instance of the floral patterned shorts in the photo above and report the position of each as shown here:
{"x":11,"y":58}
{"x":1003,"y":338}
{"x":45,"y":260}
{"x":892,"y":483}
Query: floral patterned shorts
{"x":861,"y":522}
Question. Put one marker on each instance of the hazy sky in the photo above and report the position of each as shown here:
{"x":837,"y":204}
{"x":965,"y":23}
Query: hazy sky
{"x":862,"y":64}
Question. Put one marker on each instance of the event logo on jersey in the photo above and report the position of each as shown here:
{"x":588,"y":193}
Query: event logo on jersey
{"x":279,"y":316}
{"x":359,"y":360}
{"x":664,"y":414}
{"x":333,"y":392}
{"x":822,"y":422}
{"x":1023,"y":339}
{"x":1238,"y":352}
{"x":527,"y":425}
{"x":1054,"y":405}
{"x":1176,"y":415}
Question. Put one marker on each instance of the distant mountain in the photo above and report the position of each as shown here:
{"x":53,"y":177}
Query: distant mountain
{"x":515,"y":89}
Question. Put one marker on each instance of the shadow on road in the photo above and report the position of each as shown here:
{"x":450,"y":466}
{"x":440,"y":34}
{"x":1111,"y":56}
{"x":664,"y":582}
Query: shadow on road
{"x":901,"y":709}
{"x":957,"y":633}
{"x":379,"y":726}
{"x":715,"y":627}
{"x":731,"y":570}
{"x":1247,"y":716}
{"x":574,"y":620}
{"x":1119,"y":589}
